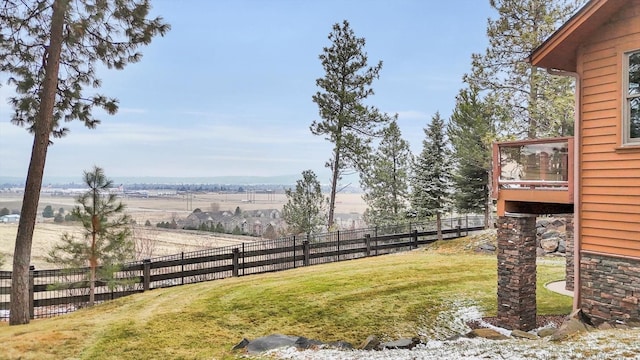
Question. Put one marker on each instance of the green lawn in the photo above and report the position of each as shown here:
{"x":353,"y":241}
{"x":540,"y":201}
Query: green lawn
{"x":389,"y":296}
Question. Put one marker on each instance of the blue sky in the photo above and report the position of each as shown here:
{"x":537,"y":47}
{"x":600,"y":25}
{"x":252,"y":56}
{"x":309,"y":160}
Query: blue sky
{"x":227,"y":92}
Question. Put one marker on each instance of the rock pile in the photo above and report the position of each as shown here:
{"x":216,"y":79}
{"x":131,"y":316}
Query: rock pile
{"x":551,"y":238}
{"x":575,"y":323}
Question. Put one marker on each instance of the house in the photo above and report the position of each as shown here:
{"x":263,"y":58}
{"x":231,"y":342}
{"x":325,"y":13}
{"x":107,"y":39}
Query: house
{"x":13,"y":218}
{"x":253,"y":222}
{"x":197,"y":219}
{"x":595,"y":175}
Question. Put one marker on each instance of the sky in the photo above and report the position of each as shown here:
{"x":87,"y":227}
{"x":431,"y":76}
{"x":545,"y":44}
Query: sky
{"x":228,"y":90}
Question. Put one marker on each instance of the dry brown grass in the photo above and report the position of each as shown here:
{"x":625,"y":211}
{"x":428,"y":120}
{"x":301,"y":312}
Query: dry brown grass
{"x":154,"y":209}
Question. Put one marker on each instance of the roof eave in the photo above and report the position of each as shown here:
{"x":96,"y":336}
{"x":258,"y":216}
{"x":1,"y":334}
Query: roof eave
{"x":559,"y":50}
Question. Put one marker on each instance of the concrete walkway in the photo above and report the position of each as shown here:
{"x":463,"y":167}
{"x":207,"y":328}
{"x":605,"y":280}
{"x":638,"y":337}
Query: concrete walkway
{"x":559,"y":287}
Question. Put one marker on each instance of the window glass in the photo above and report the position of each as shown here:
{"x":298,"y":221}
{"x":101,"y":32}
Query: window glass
{"x":634,"y":74}
{"x":632,"y":116}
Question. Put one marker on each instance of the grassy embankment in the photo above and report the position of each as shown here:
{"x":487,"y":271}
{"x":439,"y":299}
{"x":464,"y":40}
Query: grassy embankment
{"x":389,"y":296}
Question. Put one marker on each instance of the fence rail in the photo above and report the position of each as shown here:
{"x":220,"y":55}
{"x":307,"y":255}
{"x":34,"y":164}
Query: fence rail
{"x":55,"y":292}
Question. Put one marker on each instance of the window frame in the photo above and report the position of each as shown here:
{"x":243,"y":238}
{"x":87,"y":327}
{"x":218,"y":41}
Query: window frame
{"x":626,"y":102}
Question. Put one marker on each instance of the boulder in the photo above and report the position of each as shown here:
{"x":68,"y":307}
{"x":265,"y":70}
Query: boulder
{"x":271,"y":342}
{"x":487,"y":248}
{"x":241,"y":345}
{"x":549,"y":245}
{"x":484,"y":333}
{"x":575,"y":323}
{"x":542,"y":223}
{"x":304,"y":343}
{"x":341,"y":345}
{"x":371,"y":343}
{"x":519,"y":334}
{"x":401,"y":344}
{"x":550,"y":234}
{"x":562,"y":246}
{"x":546,"y":332}
{"x":558,"y":223}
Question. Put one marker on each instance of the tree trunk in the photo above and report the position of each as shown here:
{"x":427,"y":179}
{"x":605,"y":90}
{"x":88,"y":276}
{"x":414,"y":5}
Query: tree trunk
{"x":334,"y":184}
{"x":92,"y":281}
{"x":22,"y":253}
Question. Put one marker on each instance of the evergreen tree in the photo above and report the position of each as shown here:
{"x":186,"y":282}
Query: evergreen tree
{"x":471,"y":133}
{"x":346,"y":121}
{"x":537,"y":103}
{"x":270,"y":232}
{"x":107,"y":241}
{"x":304,"y":211}
{"x":4,"y":211}
{"x":432,"y":175}
{"x":219,"y":228}
{"x":238,"y":211}
{"x":386,"y":179}
{"x":47,"y":212}
{"x":36,"y":38}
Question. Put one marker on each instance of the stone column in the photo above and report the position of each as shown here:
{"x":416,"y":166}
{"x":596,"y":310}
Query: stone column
{"x":517,"y":272}
{"x":569,"y":252}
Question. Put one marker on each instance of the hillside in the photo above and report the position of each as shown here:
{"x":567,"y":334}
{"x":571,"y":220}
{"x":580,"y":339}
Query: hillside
{"x":419,"y":292}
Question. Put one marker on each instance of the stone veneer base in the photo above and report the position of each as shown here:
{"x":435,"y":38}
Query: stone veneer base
{"x":610,"y":287}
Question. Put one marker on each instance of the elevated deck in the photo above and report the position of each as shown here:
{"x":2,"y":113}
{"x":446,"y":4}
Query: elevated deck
{"x":533,"y":176}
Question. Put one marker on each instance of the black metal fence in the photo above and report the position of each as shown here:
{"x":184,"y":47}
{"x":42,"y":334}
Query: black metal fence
{"x":55,"y":292}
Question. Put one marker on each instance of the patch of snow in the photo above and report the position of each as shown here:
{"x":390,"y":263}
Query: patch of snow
{"x":609,"y":344}
{"x":451,"y":320}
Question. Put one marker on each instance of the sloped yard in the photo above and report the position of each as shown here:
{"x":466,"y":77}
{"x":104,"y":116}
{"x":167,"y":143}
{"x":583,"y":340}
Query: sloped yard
{"x":428,"y":293}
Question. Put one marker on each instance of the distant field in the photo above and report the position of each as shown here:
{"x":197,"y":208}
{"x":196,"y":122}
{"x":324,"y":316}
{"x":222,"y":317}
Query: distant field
{"x":154,"y":209}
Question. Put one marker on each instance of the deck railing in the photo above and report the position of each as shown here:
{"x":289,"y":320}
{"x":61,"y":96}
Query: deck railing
{"x":540,"y":164}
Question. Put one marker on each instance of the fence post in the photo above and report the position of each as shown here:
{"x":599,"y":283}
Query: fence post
{"x":242,"y":259}
{"x":460,"y":227}
{"x":146,"y":274}
{"x":305,"y":251}
{"x":414,"y":237}
{"x":236,"y":256}
{"x":338,"y":234}
{"x":294,"y":251}
{"x":376,"y":238}
{"x":367,"y":241}
{"x":182,"y":267}
{"x":31,"y":291}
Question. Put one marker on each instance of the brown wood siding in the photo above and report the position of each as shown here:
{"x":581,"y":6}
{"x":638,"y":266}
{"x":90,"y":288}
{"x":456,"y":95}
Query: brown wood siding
{"x":609,"y":178}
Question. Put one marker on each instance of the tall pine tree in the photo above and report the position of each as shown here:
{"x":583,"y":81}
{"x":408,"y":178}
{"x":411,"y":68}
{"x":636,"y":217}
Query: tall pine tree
{"x":386,"y":180}
{"x":107,"y":242}
{"x":538,"y":104}
{"x":431,"y":182}
{"x":471,"y":133}
{"x":347,"y":121}
{"x":50,"y":49}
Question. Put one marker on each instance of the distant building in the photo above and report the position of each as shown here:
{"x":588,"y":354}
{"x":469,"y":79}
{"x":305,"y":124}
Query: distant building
{"x":13,"y":218}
